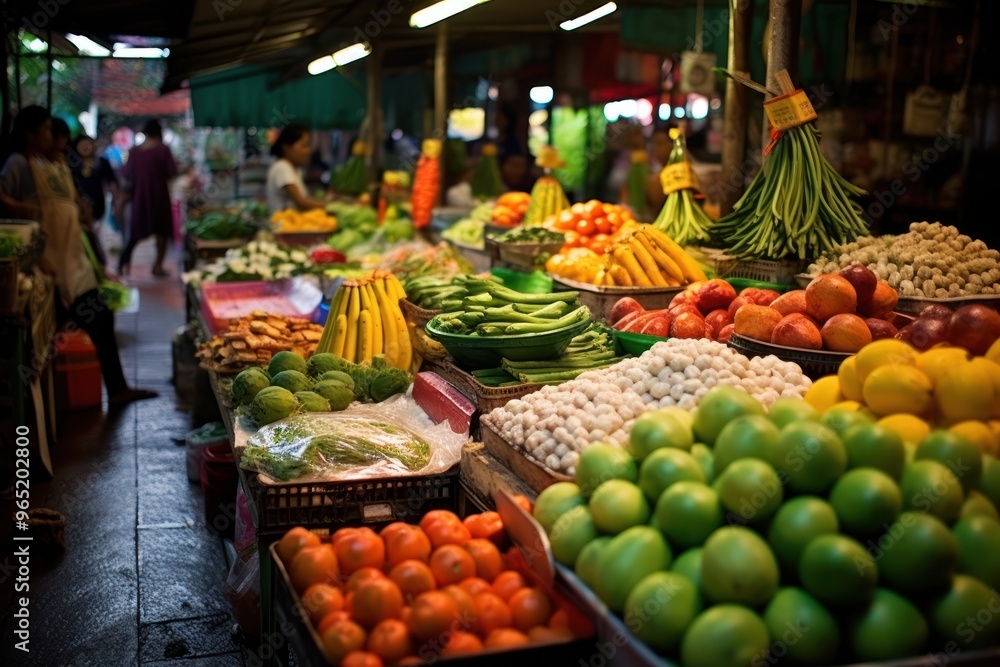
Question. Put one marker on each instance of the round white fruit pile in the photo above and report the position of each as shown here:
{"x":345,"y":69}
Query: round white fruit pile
{"x":931,"y":261}
{"x":555,"y":423}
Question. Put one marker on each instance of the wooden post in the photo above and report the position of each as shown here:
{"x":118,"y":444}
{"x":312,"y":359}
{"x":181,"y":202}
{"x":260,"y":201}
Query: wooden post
{"x":783,"y":47}
{"x":734,"y":135}
{"x":376,"y":131}
{"x":441,"y":98}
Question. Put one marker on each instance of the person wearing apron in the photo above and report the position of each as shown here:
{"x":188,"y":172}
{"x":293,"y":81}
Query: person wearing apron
{"x":46,"y":188}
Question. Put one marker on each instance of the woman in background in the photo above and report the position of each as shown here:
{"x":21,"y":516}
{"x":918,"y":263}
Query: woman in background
{"x":149,"y":170}
{"x":43,"y":187}
{"x":93,"y":176}
{"x":285,"y":188}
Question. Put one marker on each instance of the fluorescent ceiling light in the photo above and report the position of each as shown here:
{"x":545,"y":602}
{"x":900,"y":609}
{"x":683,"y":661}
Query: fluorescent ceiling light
{"x":125,"y":51}
{"x":350,"y":54}
{"x":320,"y":65}
{"x":87,"y":46}
{"x":340,"y":58}
{"x":589,"y":17}
{"x":441,"y":11}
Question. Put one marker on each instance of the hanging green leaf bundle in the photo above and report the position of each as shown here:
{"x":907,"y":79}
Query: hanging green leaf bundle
{"x":486,"y":181}
{"x":682,"y":217}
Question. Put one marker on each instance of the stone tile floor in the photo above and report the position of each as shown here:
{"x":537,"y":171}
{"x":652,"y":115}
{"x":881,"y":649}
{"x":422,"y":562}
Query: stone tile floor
{"x":140,"y":582}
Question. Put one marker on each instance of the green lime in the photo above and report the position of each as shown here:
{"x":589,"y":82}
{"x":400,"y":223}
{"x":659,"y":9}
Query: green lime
{"x":667,"y":466}
{"x":967,"y":614}
{"x":629,"y":558}
{"x":808,"y":631}
{"x":718,"y":407}
{"x":750,"y":491}
{"x":917,"y":553}
{"x":706,"y":459}
{"x":866,"y":501}
{"x":556,"y":500}
{"x":928,"y":486}
{"x":598,"y":463}
{"x":978,"y":541}
{"x":726,"y":635}
{"x":796,"y":524}
{"x":687,"y":513}
{"x":738,"y":566}
{"x":890,"y":628}
{"x":786,"y":411}
{"x":872,"y":446}
{"x":688,"y":564}
{"x":662,"y":606}
{"x":617,"y":505}
{"x":748,"y":437}
{"x":570,"y":534}
{"x":957,"y":453}
{"x":838,"y":570}
{"x":840,"y":421}
{"x":976,"y":504}
{"x":588,"y":560}
{"x":655,"y":429}
{"x":810,"y":456}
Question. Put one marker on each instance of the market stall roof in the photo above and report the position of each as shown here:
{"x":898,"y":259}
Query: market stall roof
{"x":285,"y":35}
{"x":106,"y":18}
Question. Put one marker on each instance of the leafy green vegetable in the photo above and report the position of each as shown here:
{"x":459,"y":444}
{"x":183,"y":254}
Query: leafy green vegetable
{"x":10,"y":244}
{"x":299,"y":446}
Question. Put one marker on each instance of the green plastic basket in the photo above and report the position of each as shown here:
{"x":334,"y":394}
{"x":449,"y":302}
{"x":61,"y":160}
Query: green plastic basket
{"x":741,"y":284}
{"x":525,"y":283}
{"x":477,"y":352}
{"x":635,"y":343}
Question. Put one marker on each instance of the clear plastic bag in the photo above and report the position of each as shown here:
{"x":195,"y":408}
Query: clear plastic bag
{"x":242,"y":590}
{"x":393,"y":438}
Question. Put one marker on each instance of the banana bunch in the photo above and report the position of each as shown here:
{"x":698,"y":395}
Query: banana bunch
{"x":646,"y":257}
{"x":365,"y":321}
{"x":292,"y":221}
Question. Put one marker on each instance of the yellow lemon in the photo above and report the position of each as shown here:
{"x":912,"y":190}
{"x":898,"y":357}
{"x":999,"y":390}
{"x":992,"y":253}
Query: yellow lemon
{"x":848,"y":406}
{"x":965,"y":392}
{"x":993,"y":354}
{"x":892,"y":388}
{"x":880,"y":353}
{"x":934,"y":363}
{"x":910,"y":428}
{"x":993,"y":370}
{"x":981,"y":434}
{"x":824,"y":393}
{"x":850,"y":385}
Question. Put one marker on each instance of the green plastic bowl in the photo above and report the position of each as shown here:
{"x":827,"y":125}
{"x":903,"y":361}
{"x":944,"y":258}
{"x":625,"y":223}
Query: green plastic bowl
{"x":526,"y":283}
{"x":477,"y":352}
{"x":635,"y":343}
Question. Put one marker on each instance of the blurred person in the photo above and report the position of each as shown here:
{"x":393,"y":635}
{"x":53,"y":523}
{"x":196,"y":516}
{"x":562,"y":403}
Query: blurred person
{"x":58,"y":153}
{"x":147,"y":173}
{"x":94,"y":177}
{"x":460,"y":195}
{"x":515,"y":173}
{"x":285,"y":188}
{"x":43,"y":189}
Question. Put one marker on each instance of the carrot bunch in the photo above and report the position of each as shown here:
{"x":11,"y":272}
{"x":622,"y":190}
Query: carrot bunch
{"x":426,"y":183}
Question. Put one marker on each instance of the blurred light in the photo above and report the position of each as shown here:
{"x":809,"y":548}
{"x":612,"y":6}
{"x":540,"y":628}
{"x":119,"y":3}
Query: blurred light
{"x":252,"y":131}
{"x":716,"y":104}
{"x":397,"y":134}
{"x":699,"y":108}
{"x":678,"y":112}
{"x":538,"y":118}
{"x":644,"y":108}
{"x":541,"y":94}
{"x":87,"y":46}
{"x":628,"y":108}
{"x":494,"y":93}
{"x":441,"y":11}
{"x":169,"y":136}
{"x":58,"y":65}
{"x":589,"y":17}
{"x":664,"y":112}
{"x":351,"y":53}
{"x":611,"y":111}
{"x":37,"y":45}
{"x":320,"y":65}
{"x":126,"y":51}
{"x":139,"y":138}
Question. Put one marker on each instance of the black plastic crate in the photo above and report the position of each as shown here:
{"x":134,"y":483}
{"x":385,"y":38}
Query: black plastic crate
{"x":281,"y":506}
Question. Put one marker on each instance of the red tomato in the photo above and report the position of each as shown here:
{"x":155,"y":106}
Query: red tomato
{"x":603,"y":224}
{"x":586,"y":227}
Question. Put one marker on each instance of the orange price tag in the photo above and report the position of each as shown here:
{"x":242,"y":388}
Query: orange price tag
{"x":790,"y":110}
{"x":678,"y":176}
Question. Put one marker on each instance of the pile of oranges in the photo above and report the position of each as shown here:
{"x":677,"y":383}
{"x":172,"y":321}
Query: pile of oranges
{"x":590,"y":225}
{"x":408,"y":594}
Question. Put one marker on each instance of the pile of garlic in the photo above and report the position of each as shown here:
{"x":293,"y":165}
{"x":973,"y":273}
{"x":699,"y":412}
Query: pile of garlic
{"x":931,"y":261}
{"x":555,"y":423}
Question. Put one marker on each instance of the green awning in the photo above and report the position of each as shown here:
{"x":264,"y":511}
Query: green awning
{"x":241,"y":98}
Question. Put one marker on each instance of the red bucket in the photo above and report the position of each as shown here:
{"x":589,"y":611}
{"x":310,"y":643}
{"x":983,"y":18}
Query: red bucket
{"x":78,"y":371}
{"x":219,"y":480}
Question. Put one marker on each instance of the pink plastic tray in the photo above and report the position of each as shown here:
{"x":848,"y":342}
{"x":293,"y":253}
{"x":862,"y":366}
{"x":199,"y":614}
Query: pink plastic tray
{"x":221,"y":302}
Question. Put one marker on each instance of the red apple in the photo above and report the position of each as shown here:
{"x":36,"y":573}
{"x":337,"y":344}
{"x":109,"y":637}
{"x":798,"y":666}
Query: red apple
{"x":726,"y":333}
{"x":658,"y":326}
{"x":687,"y":325}
{"x":765,"y":297}
{"x":880,"y":328}
{"x":862,"y":279}
{"x":686,"y":308}
{"x":737,"y":302}
{"x":718,"y":319}
{"x":936,"y":311}
{"x":715,"y":294}
{"x":925,"y":334}
{"x":975,"y":328}
{"x":623,"y":307}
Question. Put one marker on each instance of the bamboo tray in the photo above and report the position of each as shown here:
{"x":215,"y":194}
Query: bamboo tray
{"x":531,"y":472}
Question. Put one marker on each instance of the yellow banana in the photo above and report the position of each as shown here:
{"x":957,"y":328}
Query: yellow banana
{"x":390,"y":347}
{"x":661,"y":258}
{"x":403,"y":337}
{"x":619,"y":276}
{"x":326,"y":339}
{"x":688,"y":266}
{"x":340,"y":336}
{"x":395,"y":288}
{"x":653,"y":271}
{"x":628,"y":261}
{"x":366,"y":336}
{"x":353,"y":314}
{"x":378,"y":342}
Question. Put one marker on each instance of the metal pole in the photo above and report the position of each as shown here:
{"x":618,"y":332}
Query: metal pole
{"x":783,"y":46}
{"x":48,"y":91}
{"x":441,"y":97}
{"x":734,"y":135}
{"x":375,"y":129}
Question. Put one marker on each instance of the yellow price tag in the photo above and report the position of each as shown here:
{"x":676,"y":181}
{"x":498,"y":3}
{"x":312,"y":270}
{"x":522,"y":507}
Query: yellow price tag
{"x":790,"y":110}
{"x":678,"y":176}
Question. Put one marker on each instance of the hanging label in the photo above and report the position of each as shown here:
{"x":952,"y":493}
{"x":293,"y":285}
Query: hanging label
{"x":678,"y":176}
{"x":790,"y":110}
